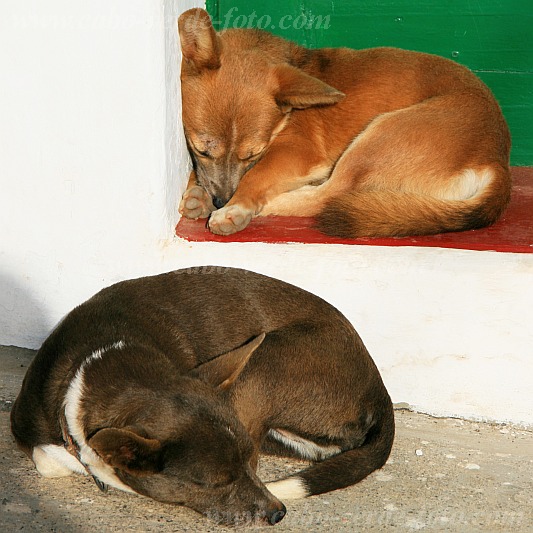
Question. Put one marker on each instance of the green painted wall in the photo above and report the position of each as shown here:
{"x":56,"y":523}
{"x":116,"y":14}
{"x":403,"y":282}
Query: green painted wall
{"x":494,"y":38}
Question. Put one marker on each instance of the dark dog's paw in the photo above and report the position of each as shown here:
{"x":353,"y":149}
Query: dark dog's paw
{"x":196,"y":203}
{"x":229,"y":219}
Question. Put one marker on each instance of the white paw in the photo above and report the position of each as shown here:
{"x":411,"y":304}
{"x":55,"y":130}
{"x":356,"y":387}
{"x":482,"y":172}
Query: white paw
{"x":229,"y":219}
{"x":196,"y":203}
{"x":52,"y":460}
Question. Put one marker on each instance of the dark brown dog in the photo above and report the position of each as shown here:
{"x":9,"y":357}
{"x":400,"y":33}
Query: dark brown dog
{"x":169,"y":386}
{"x":375,"y":142}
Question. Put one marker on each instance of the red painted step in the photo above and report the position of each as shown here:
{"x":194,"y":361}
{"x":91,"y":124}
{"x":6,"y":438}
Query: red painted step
{"x":512,"y":233}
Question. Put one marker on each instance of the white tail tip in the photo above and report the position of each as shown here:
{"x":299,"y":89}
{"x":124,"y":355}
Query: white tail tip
{"x":292,"y":488}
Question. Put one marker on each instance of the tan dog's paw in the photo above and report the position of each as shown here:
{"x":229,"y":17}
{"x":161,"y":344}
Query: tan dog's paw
{"x":229,"y":220}
{"x":196,"y":203}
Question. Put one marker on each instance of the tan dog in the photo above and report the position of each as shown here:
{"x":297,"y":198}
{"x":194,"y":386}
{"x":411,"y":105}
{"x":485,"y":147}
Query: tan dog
{"x":377,"y":142}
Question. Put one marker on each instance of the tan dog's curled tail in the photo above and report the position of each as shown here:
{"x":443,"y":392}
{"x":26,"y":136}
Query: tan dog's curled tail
{"x":476,"y":199}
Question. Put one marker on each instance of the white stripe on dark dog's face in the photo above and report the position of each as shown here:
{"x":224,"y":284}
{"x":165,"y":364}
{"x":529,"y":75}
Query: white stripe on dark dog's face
{"x":72,"y":403}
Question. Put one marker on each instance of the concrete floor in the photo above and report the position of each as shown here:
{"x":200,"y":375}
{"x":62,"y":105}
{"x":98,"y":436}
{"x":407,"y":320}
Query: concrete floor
{"x":443,"y":475}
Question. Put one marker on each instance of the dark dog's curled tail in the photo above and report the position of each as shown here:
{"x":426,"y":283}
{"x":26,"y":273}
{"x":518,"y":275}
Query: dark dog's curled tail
{"x":342,"y":470}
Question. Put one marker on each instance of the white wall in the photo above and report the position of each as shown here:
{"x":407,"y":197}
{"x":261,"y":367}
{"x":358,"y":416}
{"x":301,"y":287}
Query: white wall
{"x":92,"y":156}
{"x":93,"y":162}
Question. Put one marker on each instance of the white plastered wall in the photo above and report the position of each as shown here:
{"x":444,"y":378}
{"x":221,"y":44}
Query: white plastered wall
{"x":92,"y":155}
{"x":93,"y":162}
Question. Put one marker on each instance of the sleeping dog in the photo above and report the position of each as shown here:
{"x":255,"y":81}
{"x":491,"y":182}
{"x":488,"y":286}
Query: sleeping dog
{"x":169,"y":386}
{"x":373,"y":143}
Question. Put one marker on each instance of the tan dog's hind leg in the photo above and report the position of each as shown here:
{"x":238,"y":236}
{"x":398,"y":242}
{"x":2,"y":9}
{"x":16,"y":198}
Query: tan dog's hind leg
{"x":307,"y":201}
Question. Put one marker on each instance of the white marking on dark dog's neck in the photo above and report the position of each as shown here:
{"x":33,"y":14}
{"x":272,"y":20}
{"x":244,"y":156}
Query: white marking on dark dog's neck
{"x":73,"y":416}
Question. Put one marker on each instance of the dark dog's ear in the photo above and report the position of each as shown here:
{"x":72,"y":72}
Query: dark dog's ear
{"x":299,"y":90}
{"x":199,"y":42}
{"x":127,"y":451}
{"x":223,"y":370}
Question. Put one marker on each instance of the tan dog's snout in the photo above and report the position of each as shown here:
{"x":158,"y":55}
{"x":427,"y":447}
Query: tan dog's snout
{"x":219,"y":179}
{"x":219,"y":202}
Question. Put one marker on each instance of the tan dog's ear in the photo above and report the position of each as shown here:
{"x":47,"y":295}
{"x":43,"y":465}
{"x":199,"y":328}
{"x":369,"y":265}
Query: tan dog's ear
{"x":199,"y":42}
{"x":299,"y":90}
{"x":127,"y":450}
{"x":223,"y":370}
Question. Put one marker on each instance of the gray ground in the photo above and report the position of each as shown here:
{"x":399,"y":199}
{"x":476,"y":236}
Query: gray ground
{"x":443,"y":475}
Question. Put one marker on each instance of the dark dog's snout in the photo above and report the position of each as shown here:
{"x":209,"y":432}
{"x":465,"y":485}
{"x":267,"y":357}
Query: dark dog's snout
{"x":276,"y":514}
{"x":219,"y":202}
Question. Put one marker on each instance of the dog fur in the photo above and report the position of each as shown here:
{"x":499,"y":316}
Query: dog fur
{"x":169,"y":386}
{"x":376,"y":142}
